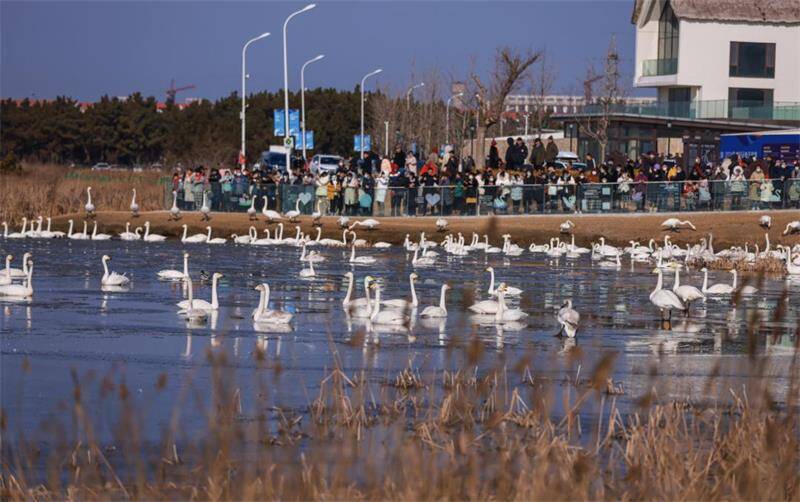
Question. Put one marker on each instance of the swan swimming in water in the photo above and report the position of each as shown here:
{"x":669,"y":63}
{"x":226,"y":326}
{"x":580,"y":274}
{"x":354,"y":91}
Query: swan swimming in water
{"x":504,"y":314}
{"x":16,"y":273}
{"x":148,"y":237}
{"x":510,"y":291}
{"x":308,"y":273}
{"x":717,"y":289}
{"x":192,"y":239}
{"x":175,"y":275}
{"x":263,"y":315}
{"x":360,"y":260}
{"x":20,"y":290}
{"x":192,"y":314}
{"x":360,"y":307}
{"x":439,"y":311}
{"x":111,"y":278}
{"x":15,"y":235}
{"x":78,"y":236}
{"x":379,"y":316}
{"x":99,"y":237}
{"x":198,"y":304}
{"x":215,"y":240}
{"x":402,"y":303}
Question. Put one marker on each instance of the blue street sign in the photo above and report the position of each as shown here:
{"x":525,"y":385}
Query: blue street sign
{"x":357,"y":143}
{"x":298,"y":144}
{"x":279,"y":120}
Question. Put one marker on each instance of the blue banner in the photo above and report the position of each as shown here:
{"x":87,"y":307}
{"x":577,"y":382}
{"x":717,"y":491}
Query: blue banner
{"x":279,"y":121}
{"x":298,"y":143}
{"x":357,"y":143}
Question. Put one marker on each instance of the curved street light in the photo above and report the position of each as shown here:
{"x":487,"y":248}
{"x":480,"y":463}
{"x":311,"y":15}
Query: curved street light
{"x":303,"y":100}
{"x":286,"y":83}
{"x":244,"y":91}
{"x":411,"y":90}
{"x":363,"y":81}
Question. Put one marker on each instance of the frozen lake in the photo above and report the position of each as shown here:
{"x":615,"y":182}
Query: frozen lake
{"x":136,"y":336}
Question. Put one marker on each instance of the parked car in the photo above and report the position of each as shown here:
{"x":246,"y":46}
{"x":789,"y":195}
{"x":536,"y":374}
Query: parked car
{"x":565,"y":156}
{"x":563,"y":164}
{"x":101,"y":166}
{"x":323,"y":163}
{"x":274,"y":161}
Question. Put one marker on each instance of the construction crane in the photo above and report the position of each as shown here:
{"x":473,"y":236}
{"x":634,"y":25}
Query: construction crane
{"x":172,"y":91}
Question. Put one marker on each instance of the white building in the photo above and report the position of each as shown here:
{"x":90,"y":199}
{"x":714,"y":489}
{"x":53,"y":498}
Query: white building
{"x":735,"y":59}
{"x":559,"y":103}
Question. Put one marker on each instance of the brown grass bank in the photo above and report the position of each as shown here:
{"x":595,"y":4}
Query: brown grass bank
{"x":54,"y":190}
{"x":728,"y":228}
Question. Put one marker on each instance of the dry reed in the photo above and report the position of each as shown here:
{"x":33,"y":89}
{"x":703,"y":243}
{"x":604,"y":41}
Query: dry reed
{"x":55,"y":190}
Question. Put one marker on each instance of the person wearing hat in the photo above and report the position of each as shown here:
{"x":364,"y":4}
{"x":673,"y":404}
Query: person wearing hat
{"x":538,"y":153}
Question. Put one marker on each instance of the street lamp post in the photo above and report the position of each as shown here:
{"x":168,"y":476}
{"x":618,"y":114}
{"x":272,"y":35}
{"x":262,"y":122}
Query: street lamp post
{"x":386,"y":142}
{"x":244,"y":91}
{"x":286,"y":84}
{"x":303,"y":100}
{"x":363,"y":80}
{"x":447,"y":116}
{"x":410,"y":90}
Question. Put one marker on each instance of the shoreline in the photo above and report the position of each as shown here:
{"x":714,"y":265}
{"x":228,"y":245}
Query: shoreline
{"x":731,"y":228}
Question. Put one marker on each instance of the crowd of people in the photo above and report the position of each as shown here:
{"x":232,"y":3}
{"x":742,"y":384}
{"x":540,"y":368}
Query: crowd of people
{"x":526,"y":180}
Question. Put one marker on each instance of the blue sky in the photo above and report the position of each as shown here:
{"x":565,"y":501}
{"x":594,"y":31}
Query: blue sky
{"x":88,"y":49}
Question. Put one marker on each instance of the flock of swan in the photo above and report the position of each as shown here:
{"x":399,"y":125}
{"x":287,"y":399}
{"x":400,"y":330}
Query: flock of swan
{"x":378,"y":310}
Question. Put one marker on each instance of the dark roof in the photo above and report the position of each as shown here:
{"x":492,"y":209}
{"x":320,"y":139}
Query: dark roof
{"x":750,"y":11}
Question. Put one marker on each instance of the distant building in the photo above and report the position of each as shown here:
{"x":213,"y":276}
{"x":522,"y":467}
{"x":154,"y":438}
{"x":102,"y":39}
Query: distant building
{"x":718,"y":67}
{"x":733,"y":59}
{"x":559,"y":103}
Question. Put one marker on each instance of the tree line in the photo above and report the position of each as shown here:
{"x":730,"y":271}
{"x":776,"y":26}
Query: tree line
{"x":135,"y":131}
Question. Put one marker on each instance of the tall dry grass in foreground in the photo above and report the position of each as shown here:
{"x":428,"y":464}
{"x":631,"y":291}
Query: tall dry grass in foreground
{"x":50,"y":190}
{"x":423,"y":435}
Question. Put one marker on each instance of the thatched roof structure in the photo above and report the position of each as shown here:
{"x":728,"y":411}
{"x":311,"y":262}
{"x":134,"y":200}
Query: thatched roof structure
{"x":743,"y":11}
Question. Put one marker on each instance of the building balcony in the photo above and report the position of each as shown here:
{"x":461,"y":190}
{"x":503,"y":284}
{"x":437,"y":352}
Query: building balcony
{"x":713,"y":109}
{"x":658,"y":67}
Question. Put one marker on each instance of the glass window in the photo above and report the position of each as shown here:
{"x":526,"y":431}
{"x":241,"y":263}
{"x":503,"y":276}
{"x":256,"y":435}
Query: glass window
{"x":750,"y":59}
{"x":667,"y":33}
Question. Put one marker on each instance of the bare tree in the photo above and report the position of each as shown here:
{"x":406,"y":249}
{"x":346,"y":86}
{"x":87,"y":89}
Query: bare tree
{"x":612,"y":93}
{"x":542,"y":82}
{"x":510,"y":68}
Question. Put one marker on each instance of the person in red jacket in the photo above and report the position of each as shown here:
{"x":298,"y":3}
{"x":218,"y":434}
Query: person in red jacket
{"x":430,"y":166}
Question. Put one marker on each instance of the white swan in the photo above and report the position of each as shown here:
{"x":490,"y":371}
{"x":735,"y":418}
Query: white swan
{"x":245,"y":239}
{"x":484,"y":307}
{"x":269,"y":214}
{"x":215,"y":240}
{"x":402,"y":303}
{"x":360,"y":260}
{"x":379,"y":316}
{"x":441,"y":225}
{"x":205,"y":209}
{"x":792,"y":227}
{"x":369,"y":224}
{"x":686,"y":293}
{"x":15,"y":235}
{"x":566,"y":227}
{"x":717,"y":289}
{"x":52,"y":234}
{"x":134,"y":206}
{"x":89,"y":206}
{"x":174,"y":212}
{"x":510,"y":291}
{"x":5,"y":274}
{"x":251,"y":211}
{"x":192,"y":314}
{"x":765,"y":221}
{"x":16,"y":273}
{"x":675,"y":224}
{"x":437,"y":311}
{"x":192,"y":239}
{"x":78,"y":236}
{"x":175,"y":275}
{"x":569,"y":319}
{"x":148,"y":237}
{"x":127,"y":235}
{"x":744,"y":290}
{"x":423,"y":261}
{"x":504,"y":314}
{"x":20,"y":290}
{"x":192,"y":304}
{"x":99,"y":237}
{"x":294,"y":213}
{"x":308,"y":272}
{"x":665,"y":299}
{"x":263,"y":315}
{"x":616,"y":263}
{"x":360,"y":307}
{"x":331,"y":242}
{"x":343,"y":221}
{"x":111,"y":278}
